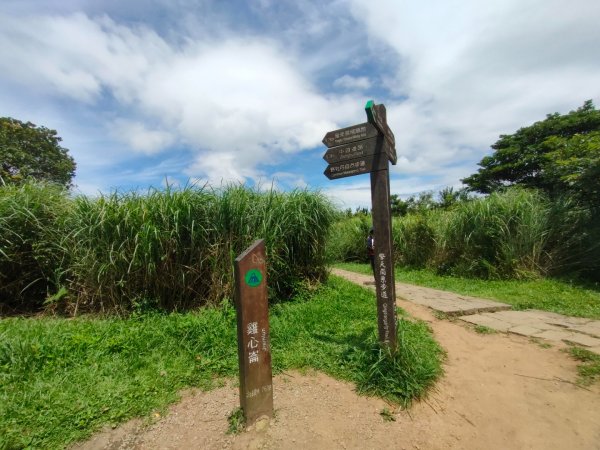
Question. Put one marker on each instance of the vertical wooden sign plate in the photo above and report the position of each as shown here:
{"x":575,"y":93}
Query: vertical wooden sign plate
{"x":385,"y":285}
{"x":254,"y":349}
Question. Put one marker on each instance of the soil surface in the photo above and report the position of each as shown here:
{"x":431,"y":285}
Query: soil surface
{"x":499,"y":391}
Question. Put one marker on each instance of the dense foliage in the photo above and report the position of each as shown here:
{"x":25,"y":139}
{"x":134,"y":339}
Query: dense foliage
{"x":513,"y":234}
{"x":560,"y":155}
{"x":31,"y":232}
{"x":29,"y":151}
{"x":168,"y":249}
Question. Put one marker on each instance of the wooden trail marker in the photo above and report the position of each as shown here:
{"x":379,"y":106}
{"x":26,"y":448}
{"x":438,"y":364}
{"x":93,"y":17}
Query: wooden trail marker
{"x":370,"y":154}
{"x":254,"y":348}
{"x":350,"y":134}
{"x":366,"y":164}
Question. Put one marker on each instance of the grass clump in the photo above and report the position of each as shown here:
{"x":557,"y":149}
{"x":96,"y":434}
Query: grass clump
{"x":482,"y":329}
{"x":60,"y":380}
{"x":404,"y":375}
{"x":338,"y":336}
{"x":236,"y":421}
{"x":589,"y":371}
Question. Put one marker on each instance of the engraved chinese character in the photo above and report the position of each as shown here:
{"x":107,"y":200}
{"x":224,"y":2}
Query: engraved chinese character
{"x":253,"y":357}
{"x":253,"y":393}
{"x":252,"y":328}
{"x":253,"y":343}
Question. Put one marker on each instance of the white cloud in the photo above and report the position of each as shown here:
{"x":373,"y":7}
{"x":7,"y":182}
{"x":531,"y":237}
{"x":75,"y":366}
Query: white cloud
{"x":242,"y":100}
{"x":473,"y":70}
{"x":140,"y":138}
{"x":350,"y":82}
{"x":238,"y":103}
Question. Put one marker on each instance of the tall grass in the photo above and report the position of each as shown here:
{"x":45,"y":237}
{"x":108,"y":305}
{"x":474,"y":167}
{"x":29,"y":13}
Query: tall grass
{"x":348,"y":239}
{"x":510,"y":235}
{"x":414,"y":239}
{"x":168,"y":249}
{"x":31,"y":227}
{"x":502,"y":236}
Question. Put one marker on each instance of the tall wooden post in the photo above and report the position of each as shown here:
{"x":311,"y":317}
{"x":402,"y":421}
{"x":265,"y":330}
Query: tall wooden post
{"x":254,"y":348}
{"x":362,"y":148}
{"x":384,"y":263}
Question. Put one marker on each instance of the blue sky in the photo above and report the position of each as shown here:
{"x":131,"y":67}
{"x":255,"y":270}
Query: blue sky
{"x":243,"y":91}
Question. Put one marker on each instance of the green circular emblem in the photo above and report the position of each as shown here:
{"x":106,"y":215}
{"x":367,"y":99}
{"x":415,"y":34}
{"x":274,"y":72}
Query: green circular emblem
{"x":253,"y":277}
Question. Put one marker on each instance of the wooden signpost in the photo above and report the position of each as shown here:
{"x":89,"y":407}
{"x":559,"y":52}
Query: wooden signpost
{"x":254,"y":349}
{"x":366,"y":148}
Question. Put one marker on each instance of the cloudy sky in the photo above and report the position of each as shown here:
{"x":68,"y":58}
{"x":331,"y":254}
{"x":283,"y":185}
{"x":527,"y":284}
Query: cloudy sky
{"x":144,"y":91}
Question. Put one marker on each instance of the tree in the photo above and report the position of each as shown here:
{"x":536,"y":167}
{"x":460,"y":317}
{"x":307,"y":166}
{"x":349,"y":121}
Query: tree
{"x":398,"y":207}
{"x":523,"y":157}
{"x":573,"y":165}
{"x":29,"y":151}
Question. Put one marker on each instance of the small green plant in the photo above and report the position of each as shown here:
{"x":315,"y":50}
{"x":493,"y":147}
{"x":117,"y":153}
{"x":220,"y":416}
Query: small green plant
{"x":482,"y":329}
{"x":541,"y":343}
{"x":387,"y":415}
{"x":236,"y":421}
{"x":589,"y":371}
{"x":440,"y":315}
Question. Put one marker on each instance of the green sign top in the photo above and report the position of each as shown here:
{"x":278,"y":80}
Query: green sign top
{"x":369,"y":109}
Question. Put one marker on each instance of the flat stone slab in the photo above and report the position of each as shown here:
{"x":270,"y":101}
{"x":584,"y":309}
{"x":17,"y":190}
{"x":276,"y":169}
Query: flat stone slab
{"x":544,"y":325}
{"x":447,"y":302}
{"x":498,"y":316}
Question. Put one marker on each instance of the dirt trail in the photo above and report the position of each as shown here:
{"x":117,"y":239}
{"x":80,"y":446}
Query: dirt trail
{"x":499,"y":392}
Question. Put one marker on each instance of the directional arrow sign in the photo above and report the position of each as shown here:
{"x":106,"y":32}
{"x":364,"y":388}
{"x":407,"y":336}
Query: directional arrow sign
{"x":351,"y":151}
{"x":370,"y":163}
{"x":376,"y":114}
{"x":356,"y":150}
{"x":350,"y":134}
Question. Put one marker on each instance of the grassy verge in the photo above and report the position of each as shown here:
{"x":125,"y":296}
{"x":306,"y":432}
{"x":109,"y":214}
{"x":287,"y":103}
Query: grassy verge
{"x":546,"y":294}
{"x":62,"y":379}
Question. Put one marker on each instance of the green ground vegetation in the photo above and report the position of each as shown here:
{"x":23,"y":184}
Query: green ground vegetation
{"x":589,"y":370}
{"x":563,"y":297}
{"x":62,"y":379}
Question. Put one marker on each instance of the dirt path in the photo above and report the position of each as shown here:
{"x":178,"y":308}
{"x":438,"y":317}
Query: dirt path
{"x":499,"y":391}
